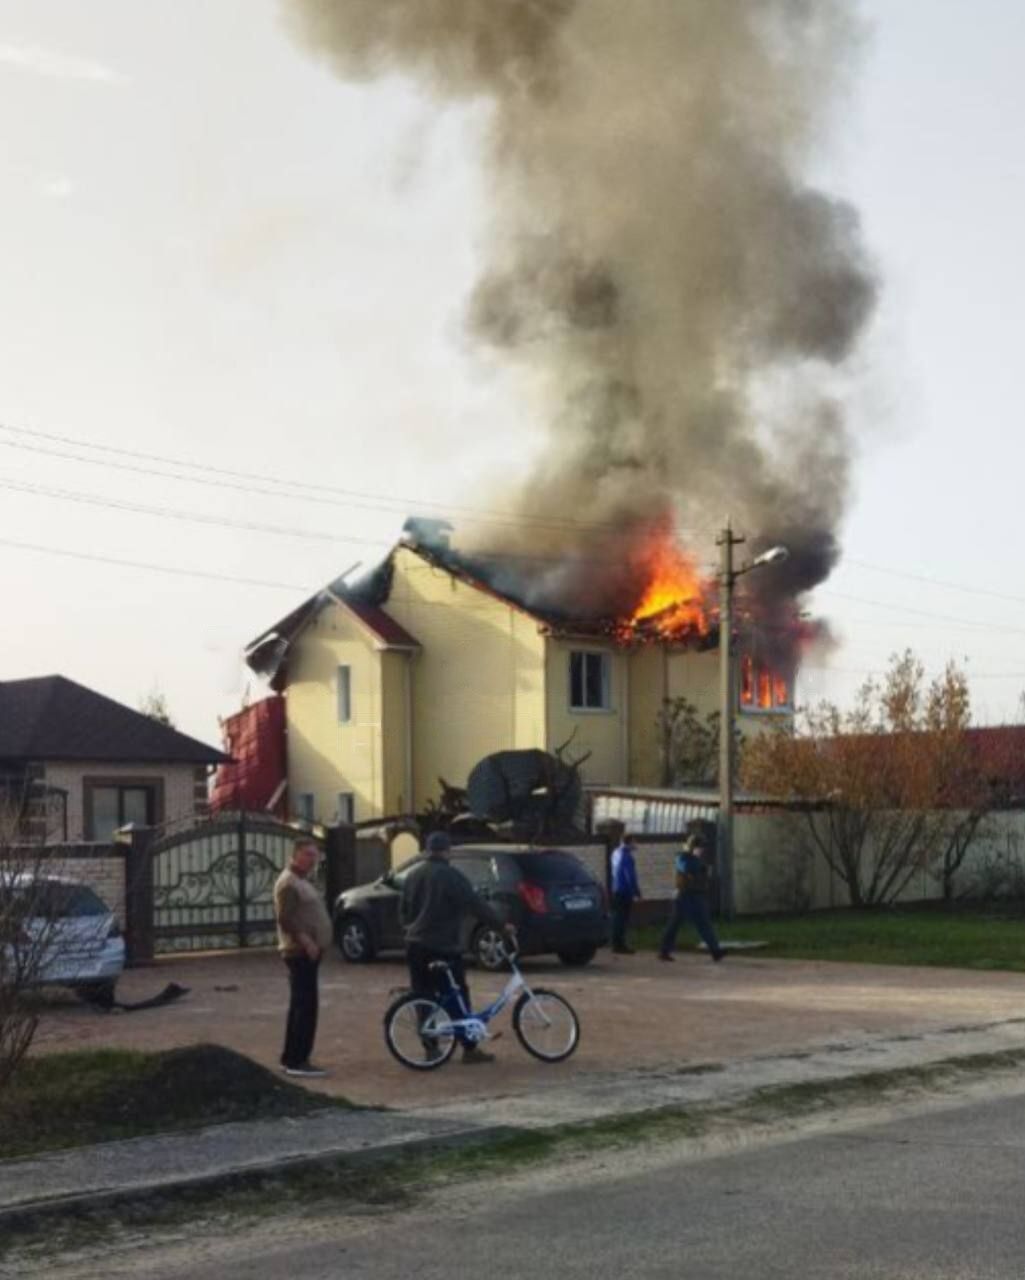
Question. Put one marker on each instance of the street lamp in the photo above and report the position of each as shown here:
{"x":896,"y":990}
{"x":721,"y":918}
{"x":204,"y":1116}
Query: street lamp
{"x":727,"y":706}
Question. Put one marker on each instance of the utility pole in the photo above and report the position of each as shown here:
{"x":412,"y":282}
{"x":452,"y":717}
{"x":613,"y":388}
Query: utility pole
{"x":728,"y":575}
{"x":727,"y":712}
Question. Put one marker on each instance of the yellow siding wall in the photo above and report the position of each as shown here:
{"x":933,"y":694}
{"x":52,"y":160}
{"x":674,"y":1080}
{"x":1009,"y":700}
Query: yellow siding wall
{"x":657,"y":673}
{"x":649,"y":686}
{"x":394,"y":732}
{"x":478,"y":682}
{"x":325,"y":757}
{"x":603,"y":733}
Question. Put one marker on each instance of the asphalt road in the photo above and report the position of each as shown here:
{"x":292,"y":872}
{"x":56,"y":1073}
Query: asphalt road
{"x":937,"y":1196}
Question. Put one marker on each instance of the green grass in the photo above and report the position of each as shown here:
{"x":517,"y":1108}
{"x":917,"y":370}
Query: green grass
{"x":65,"y":1100}
{"x":959,"y":938}
{"x":392,"y":1180}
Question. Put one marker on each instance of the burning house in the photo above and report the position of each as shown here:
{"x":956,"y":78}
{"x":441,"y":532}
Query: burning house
{"x":674,"y":303}
{"x":436,"y":660}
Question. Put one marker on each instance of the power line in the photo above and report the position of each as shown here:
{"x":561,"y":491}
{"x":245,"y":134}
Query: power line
{"x":308,"y":490}
{"x":150,"y":567}
{"x":935,"y":582}
{"x":194,"y":517}
{"x":922,"y":613}
{"x":171,"y":513}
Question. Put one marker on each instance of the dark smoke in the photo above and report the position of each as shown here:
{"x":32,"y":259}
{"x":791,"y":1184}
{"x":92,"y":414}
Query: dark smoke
{"x":679,"y":297}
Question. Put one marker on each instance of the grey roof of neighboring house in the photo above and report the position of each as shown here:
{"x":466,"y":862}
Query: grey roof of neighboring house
{"x":53,"y":718}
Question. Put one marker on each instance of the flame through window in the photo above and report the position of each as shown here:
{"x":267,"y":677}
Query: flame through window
{"x":762,"y":689}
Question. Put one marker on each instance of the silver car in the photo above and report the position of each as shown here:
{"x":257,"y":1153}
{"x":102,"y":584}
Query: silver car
{"x":60,"y":933}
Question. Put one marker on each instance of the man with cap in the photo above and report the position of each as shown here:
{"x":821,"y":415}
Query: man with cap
{"x":692,"y":875}
{"x":435,"y":899}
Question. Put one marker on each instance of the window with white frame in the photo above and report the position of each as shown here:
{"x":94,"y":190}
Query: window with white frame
{"x":762,"y":688}
{"x":589,"y":681}
{"x":346,"y":807}
{"x":304,"y":806}
{"x":343,"y":681}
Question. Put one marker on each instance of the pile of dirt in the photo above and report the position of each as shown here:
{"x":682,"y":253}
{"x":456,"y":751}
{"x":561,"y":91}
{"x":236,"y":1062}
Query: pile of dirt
{"x":71,"y":1099}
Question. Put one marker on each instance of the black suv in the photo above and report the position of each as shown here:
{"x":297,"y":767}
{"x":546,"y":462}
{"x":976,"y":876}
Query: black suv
{"x":553,"y":900}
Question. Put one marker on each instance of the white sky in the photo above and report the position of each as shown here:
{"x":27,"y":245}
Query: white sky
{"x":215,"y":251}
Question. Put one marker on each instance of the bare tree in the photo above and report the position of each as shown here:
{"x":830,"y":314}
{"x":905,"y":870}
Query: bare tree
{"x":27,"y":921}
{"x":891,"y":787}
{"x":689,"y":744}
{"x":154,"y":705}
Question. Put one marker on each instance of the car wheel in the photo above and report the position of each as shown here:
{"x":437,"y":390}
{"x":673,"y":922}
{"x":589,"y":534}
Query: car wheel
{"x":488,"y":947}
{"x":578,"y":957}
{"x":354,"y":940}
{"x":98,"y":993}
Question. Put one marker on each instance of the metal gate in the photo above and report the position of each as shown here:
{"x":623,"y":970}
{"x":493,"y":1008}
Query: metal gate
{"x":213,"y":884}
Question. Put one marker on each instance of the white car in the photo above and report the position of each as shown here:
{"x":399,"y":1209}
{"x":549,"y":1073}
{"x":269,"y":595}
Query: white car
{"x":66,"y":935}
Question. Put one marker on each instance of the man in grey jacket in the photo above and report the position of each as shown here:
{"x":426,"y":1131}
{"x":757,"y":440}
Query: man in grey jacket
{"x":435,"y":899}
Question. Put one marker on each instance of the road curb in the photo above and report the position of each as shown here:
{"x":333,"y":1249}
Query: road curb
{"x":31,"y":1213}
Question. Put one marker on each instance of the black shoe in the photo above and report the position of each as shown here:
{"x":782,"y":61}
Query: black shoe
{"x":719,"y":955}
{"x":473,"y":1055}
{"x":662,"y":956}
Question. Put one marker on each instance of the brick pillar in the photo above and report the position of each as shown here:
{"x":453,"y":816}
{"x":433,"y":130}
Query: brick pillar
{"x":340,"y":862}
{"x":139,"y":897}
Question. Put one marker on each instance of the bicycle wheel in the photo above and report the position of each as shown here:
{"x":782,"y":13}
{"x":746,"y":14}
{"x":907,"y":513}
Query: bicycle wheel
{"x":419,"y":1032}
{"x":546,"y":1025}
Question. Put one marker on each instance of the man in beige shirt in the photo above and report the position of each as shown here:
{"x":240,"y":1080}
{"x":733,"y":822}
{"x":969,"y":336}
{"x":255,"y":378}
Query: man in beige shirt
{"x":304,"y":930}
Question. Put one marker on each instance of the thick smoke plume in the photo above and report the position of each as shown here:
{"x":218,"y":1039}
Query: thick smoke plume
{"x":677,"y":295}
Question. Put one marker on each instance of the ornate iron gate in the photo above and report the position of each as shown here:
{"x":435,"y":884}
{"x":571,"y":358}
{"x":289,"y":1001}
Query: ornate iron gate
{"x":213,"y":884}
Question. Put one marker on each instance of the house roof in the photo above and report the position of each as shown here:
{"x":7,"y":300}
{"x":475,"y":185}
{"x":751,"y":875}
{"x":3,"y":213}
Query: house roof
{"x":54,"y":718}
{"x":266,"y":654}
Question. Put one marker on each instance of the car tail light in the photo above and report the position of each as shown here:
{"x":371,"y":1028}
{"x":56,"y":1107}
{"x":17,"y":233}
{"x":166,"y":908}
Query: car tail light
{"x":114,"y":929}
{"x":534,"y":896}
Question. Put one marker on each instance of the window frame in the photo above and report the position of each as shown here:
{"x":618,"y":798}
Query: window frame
{"x":751,"y":670}
{"x":343,"y":693}
{"x":92,"y":784}
{"x":605,"y":659}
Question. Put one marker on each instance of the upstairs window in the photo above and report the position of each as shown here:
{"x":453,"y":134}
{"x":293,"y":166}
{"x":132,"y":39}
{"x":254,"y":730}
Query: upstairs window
{"x":344,"y":692}
{"x":589,"y":682}
{"x":762,"y":688}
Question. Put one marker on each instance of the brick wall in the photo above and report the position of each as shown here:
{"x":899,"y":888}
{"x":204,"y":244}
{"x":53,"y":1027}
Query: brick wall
{"x":101,"y":866}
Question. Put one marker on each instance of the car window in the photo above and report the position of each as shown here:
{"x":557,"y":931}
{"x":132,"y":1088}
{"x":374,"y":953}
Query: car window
{"x":552,"y":868}
{"x":399,"y":875}
{"x":476,"y":868}
{"x":54,"y":901}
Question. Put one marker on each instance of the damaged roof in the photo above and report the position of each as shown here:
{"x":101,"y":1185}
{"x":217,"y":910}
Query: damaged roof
{"x":266,"y":654}
{"x":366,"y":599}
{"x":54,"y":718}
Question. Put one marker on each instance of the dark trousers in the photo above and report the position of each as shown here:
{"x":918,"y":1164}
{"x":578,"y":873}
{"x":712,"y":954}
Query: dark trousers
{"x":301,"y":1025}
{"x":435,"y":986}
{"x":691,"y":908}
{"x":622,"y":904}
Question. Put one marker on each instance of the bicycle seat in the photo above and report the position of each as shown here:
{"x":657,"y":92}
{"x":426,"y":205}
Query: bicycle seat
{"x":437,"y":966}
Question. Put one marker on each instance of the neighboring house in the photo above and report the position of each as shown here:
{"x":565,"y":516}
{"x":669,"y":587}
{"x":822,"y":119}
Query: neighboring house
{"x":80,"y":765}
{"x":383,"y":699}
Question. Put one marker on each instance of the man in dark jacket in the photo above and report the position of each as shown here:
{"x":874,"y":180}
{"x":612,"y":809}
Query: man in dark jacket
{"x":692,"y":875}
{"x":435,"y":899}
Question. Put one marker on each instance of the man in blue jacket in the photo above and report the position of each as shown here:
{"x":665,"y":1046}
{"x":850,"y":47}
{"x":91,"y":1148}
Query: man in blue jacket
{"x":692,"y":876}
{"x":625,"y":890}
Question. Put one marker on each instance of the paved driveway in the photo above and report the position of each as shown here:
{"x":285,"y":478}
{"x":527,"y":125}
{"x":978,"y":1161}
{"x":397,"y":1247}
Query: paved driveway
{"x":634,"y":1013}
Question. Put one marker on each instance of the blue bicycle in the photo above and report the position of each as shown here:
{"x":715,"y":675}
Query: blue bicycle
{"x":422,"y":1032}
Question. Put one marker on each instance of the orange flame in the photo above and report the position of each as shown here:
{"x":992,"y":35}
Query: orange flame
{"x":672,"y":603}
